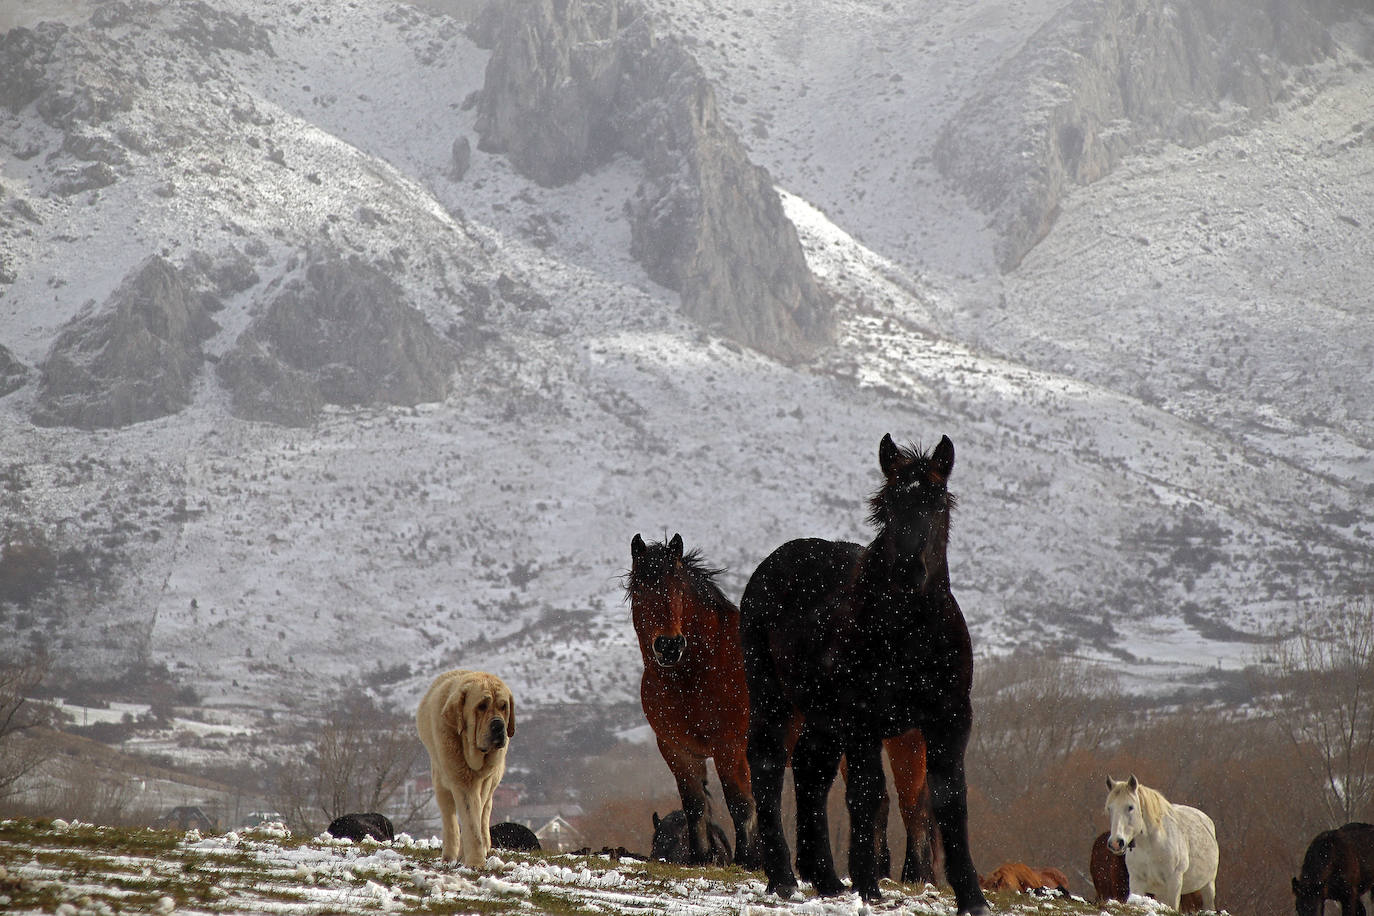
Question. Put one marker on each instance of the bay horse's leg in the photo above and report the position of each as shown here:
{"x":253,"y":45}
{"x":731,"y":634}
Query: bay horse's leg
{"x":733,"y":768}
{"x":814,"y":762}
{"x":769,"y":719}
{"x":949,"y":798}
{"x":1209,"y":896}
{"x":689,"y":771}
{"x":863,"y":791}
{"x":907,"y":753}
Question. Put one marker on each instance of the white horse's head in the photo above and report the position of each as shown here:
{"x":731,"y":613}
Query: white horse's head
{"x":1126,"y":813}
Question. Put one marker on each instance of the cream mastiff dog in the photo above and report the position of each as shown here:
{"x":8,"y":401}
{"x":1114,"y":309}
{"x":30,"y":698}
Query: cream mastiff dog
{"x":466,"y":720}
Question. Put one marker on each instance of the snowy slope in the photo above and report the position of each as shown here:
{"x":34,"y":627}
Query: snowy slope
{"x":1135,"y":482}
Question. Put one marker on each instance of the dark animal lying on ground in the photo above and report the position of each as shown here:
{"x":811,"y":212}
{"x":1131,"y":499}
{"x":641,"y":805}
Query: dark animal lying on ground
{"x":513,"y":836}
{"x":614,"y":853}
{"x":1022,"y":878}
{"x":671,"y":842}
{"x":358,"y":827}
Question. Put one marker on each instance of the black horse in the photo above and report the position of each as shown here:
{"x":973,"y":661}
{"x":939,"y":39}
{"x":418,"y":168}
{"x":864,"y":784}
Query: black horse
{"x":866,"y":643}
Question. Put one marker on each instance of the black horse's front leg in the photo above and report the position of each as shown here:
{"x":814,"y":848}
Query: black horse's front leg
{"x":767,"y":755}
{"x":865,"y":789}
{"x":949,"y":798}
{"x":814,"y":762}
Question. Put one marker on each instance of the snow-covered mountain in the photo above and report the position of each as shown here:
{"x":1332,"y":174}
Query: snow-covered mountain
{"x":1153,"y":356}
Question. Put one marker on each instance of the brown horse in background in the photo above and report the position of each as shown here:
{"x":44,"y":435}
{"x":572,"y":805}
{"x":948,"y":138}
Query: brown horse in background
{"x":1338,"y":865}
{"x":1112,"y":880}
{"x":1019,"y":877}
{"x":694,"y":696}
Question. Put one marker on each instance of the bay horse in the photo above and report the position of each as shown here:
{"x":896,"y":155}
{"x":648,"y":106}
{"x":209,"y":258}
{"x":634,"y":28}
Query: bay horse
{"x":866,"y":643}
{"x":1339,"y":865}
{"x":694,"y":696}
{"x":1023,"y":879}
{"x":1170,"y":849}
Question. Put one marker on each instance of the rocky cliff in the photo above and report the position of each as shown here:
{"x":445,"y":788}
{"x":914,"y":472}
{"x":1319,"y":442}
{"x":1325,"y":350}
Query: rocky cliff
{"x":133,"y":359}
{"x":1109,"y":75}
{"x":572,"y":83}
{"x":339,"y":332}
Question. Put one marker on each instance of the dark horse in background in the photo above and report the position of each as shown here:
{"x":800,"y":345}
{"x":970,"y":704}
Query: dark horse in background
{"x":694,"y":696}
{"x":866,"y":643}
{"x":1339,"y":865}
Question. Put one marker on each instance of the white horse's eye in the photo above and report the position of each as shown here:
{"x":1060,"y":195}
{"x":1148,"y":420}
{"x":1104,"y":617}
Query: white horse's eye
{"x":1130,"y":808}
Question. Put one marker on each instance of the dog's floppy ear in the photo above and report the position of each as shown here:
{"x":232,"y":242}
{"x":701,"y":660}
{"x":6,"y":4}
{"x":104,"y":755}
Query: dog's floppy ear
{"x":455,"y":709}
{"x":510,"y":715}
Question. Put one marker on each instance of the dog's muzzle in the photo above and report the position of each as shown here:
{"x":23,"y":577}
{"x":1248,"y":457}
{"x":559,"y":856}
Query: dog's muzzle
{"x":669,"y":650}
{"x":497,"y":732}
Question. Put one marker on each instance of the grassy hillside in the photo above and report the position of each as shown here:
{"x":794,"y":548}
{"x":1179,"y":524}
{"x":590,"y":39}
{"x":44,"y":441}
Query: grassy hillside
{"x":51,"y":866}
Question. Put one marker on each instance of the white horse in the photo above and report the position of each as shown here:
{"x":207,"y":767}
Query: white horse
{"x":1170,"y":850}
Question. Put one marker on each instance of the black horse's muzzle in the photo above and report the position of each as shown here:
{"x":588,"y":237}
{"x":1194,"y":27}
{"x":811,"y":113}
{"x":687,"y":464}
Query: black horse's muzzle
{"x":670,"y":650}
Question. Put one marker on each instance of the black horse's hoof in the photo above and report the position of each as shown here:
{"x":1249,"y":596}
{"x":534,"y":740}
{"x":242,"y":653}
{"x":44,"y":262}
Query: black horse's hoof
{"x":869,"y":893}
{"x":829,"y":887}
{"x":978,"y":909}
{"x":785,"y":890}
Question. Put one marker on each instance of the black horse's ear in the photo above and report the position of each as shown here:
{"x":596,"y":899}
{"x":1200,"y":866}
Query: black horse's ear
{"x":942,"y":460}
{"x":637,"y":547}
{"x":655,"y":820}
{"x":675,"y":545}
{"x":889,"y":456}
{"x":1297,"y":888}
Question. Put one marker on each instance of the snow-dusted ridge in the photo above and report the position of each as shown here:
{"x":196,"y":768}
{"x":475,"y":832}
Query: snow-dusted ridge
{"x":1115,"y":496}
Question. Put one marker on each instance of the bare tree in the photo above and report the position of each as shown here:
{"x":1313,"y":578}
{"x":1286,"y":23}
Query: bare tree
{"x":1322,"y":697}
{"x":20,"y":753}
{"x":358,"y":761}
{"x":1032,"y":712}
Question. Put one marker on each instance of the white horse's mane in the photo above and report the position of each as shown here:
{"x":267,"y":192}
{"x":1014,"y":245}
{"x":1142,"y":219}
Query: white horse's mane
{"x":1153,"y":805}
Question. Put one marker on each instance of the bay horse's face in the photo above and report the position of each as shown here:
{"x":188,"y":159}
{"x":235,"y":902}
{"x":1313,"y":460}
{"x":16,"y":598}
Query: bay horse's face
{"x":1123,"y":808}
{"x":914,"y":504}
{"x":658,"y":596}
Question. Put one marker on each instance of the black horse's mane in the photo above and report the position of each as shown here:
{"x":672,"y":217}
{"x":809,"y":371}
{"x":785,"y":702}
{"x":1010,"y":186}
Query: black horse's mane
{"x":657,"y":562}
{"x":881,"y":500}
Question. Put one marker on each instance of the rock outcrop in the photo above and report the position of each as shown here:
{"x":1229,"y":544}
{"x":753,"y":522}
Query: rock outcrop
{"x":134,"y":359}
{"x":341,"y":332}
{"x":572,"y":83}
{"x":1108,"y":75}
{"x":13,"y":373}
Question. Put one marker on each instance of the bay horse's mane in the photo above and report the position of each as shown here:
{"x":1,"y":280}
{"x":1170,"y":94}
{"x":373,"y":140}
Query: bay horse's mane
{"x":656,"y":565}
